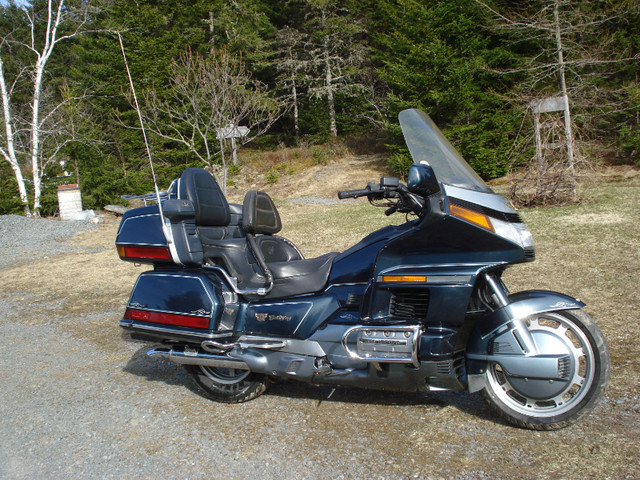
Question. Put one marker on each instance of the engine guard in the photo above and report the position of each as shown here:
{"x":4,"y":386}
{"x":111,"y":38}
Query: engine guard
{"x":518,"y":353}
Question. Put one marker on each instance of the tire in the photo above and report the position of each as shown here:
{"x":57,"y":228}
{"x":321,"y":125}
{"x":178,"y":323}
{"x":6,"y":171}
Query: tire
{"x":228,"y":385}
{"x":516,"y":399}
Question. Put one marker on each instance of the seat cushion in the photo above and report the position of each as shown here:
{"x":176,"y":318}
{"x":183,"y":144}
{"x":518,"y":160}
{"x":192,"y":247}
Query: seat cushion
{"x":277,"y":249}
{"x":259,"y":214}
{"x":212,"y":209}
{"x":297,"y":277}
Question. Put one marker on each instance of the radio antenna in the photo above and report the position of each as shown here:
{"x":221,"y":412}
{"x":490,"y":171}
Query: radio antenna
{"x":144,"y":133}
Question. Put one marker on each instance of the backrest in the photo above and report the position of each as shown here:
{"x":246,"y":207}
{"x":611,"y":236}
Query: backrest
{"x":259,"y":214}
{"x":212,"y":209}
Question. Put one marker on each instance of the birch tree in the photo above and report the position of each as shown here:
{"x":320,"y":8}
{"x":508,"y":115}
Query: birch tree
{"x":28,"y":118}
{"x":292,"y":63}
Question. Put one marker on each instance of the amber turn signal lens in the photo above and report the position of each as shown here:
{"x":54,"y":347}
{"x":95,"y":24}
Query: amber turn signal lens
{"x":470,"y":216}
{"x":404,"y":278}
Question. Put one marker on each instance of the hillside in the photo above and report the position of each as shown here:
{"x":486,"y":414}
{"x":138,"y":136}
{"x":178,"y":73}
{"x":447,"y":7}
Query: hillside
{"x":291,"y":178}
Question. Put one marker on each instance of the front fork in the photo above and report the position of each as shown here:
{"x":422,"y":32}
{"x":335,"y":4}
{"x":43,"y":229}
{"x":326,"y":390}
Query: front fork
{"x":518,"y":325}
{"x":507,"y":326}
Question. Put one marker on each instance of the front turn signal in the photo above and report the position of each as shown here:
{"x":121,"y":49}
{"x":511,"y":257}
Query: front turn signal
{"x":477,"y":218}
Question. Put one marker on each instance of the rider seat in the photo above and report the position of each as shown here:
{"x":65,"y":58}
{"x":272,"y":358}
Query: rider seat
{"x":249,"y":250}
{"x":284,"y":264}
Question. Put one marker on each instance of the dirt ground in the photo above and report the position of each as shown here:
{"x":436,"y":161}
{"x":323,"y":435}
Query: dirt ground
{"x":79,"y":399}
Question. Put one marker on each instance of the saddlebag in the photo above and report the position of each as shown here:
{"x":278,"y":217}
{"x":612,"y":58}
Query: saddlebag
{"x":179,"y":305}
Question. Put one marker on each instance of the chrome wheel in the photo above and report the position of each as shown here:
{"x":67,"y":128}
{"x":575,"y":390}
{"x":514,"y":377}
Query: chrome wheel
{"x":228,"y":385}
{"x":583,"y":366}
{"x":225,"y":376}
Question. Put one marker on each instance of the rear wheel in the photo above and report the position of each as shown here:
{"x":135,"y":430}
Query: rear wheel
{"x":549,"y":404}
{"x":228,"y":385}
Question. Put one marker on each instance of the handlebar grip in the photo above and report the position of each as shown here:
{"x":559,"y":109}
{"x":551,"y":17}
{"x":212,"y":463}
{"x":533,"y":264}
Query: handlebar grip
{"x":353,"y":193}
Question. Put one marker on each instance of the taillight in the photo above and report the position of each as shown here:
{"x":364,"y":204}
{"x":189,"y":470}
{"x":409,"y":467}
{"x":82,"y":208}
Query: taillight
{"x":143,"y":253}
{"x":167,"y":318}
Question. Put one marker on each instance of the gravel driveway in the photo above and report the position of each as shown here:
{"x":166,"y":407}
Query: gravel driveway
{"x":80,"y":400}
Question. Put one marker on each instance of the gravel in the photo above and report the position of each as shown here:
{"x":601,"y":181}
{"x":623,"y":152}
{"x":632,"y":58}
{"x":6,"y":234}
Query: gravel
{"x":310,"y":200}
{"x":23,"y":238}
{"x":80,"y":400}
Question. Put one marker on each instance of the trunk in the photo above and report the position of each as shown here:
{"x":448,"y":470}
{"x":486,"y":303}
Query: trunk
{"x":35,"y":139}
{"x":294,"y":94}
{"x":329,"y":86}
{"x":536,"y":123}
{"x":563,"y":85}
{"x":10,"y":154}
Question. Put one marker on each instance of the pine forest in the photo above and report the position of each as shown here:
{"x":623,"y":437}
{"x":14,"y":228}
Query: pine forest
{"x":540,"y":89}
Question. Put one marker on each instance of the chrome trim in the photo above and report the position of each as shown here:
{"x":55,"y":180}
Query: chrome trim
{"x":497,"y":289}
{"x":345,"y":285}
{"x":233,"y":283}
{"x":400,"y":270}
{"x":188,"y":356}
{"x":286,"y":345}
{"x":433,"y":279}
{"x":414,"y":329}
{"x":172,"y":331}
{"x":212,"y":346}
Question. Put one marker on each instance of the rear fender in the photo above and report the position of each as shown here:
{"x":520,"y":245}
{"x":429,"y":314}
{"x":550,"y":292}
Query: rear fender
{"x":506,"y":326}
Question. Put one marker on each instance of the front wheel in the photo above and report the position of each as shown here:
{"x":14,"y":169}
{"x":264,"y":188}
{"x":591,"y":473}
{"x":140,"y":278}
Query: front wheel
{"x":522,"y":402}
{"x":228,"y":385}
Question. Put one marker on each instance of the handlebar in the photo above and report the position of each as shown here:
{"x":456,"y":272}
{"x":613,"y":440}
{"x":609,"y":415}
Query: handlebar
{"x":354,"y":193}
{"x":399,"y":198}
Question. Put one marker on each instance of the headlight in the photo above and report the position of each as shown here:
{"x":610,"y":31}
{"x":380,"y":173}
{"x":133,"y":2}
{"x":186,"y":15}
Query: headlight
{"x":514,"y":232}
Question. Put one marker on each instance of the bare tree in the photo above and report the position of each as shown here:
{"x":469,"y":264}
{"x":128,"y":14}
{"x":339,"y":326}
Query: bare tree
{"x":206,"y":95}
{"x":571,"y":50}
{"x":26,"y":126}
{"x":292,"y":63}
{"x":335,"y":52}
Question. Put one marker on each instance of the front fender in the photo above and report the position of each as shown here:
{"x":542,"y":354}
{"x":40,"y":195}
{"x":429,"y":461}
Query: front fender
{"x":509,"y":319}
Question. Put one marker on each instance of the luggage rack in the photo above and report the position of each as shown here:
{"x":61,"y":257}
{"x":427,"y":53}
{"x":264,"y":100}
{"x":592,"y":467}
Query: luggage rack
{"x":150,"y":198}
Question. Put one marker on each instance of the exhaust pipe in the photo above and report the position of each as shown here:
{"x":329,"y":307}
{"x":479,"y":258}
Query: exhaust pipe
{"x":187,"y":356}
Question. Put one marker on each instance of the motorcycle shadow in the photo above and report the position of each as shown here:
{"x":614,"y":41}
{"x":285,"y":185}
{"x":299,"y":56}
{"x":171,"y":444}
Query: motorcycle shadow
{"x":467,"y":403}
{"x":161,"y":370}
{"x":155,"y":369}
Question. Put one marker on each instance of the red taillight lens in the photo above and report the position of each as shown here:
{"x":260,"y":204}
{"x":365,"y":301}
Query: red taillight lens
{"x":148,"y":253}
{"x":167,"y":318}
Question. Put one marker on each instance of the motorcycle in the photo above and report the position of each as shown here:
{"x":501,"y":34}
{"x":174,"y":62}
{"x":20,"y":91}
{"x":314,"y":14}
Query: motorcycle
{"x":419,"y":306}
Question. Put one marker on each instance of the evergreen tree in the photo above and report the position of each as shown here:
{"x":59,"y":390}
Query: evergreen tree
{"x":437,"y":56}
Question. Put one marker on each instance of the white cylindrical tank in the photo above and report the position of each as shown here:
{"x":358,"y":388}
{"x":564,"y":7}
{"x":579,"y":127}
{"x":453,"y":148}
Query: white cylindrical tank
{"x":69,"y":201}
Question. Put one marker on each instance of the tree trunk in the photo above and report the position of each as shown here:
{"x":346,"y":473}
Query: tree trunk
{"x":329,"y":86}
{"x":35,"y":139}
{"x":294,"y":93}
{"x":10,"y":153}
{"x":563,"y":85}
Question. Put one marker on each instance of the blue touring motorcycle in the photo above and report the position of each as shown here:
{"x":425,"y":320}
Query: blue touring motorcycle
{"x":415,"y":307}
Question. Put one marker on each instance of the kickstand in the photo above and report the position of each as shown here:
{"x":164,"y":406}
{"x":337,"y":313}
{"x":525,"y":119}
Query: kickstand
{"x":328,"y":396}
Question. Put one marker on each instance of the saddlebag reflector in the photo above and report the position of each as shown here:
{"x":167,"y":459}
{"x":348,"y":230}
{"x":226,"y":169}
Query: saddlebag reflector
{"x":133,"y":252}
{"x":167,"y":318}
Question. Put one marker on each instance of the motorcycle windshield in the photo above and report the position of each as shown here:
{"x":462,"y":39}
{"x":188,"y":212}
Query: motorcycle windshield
{"x":427,"y":144}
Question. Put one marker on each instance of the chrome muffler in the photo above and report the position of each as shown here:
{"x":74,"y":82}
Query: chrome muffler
{"x":184,"y":355}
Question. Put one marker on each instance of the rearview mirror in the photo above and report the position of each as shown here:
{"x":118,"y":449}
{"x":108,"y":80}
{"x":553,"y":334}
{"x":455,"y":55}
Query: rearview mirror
{"x":422,"y":180}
